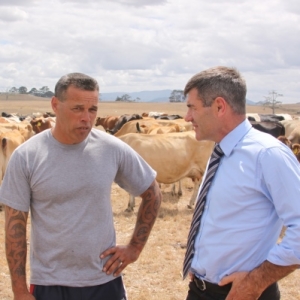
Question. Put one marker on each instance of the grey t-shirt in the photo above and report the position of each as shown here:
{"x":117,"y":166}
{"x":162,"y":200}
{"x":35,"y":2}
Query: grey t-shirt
{"x":67,"y":189}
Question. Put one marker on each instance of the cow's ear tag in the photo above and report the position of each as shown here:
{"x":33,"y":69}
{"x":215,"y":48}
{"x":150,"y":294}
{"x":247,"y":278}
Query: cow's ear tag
{"x":296,"y":150}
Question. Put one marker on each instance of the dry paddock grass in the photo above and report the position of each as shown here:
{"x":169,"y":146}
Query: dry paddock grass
{"x":157,"y":273}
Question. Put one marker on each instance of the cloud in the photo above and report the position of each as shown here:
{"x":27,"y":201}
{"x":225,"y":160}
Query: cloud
{"x":12,"y":14}
{"x":292,"y":6}
{"x":133,"y":3}
{"x":140,"y":3}
{"x":133,"y":46}
{"x":17,"y":2}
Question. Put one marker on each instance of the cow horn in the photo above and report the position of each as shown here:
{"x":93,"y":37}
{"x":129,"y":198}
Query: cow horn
{"x":138,"y":128}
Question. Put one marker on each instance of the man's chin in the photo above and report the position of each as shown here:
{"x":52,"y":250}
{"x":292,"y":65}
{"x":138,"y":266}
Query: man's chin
{"x":198,"y":136}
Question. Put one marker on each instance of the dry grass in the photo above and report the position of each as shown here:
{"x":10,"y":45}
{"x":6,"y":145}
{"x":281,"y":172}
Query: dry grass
{"x":26,"y":104}
{"x":157,"y":273}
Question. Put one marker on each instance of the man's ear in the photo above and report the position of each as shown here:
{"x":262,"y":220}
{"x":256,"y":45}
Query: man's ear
{"x":54,"y":102}
{"x":220,"y":105}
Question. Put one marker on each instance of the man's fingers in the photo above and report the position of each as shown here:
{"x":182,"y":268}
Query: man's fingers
{"x":116,"y":263}
{"x":121,"y":257}
{"x":108,"y":252}
{"x":227,"y":279}
{"x":120,"y":268}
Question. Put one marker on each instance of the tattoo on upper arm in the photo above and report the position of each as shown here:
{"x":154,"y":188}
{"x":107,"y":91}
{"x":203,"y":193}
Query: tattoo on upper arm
{"x":15,"y":240}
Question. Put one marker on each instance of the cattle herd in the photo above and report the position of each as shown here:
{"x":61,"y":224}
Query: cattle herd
{"x":165,"y":141}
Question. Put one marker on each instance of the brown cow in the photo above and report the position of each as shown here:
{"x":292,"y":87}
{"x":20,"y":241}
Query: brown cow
{"x":41,"y":124}
{"x":49,"y":114}
{"x":9,"y":141}
{"x":159,"y":129}
{"x":285,"y":140}
{"x":123,"y":119}
{"x":108,"y":123}
{"x":131,"y":126}
{"x":24,"y":127}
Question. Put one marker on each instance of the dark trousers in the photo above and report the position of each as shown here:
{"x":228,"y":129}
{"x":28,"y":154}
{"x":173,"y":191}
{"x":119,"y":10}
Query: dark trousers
{"x":194,"y":293}
{"x":112,"y":290}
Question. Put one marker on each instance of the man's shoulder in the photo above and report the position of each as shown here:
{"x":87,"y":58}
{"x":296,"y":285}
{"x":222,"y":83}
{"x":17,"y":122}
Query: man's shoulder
{"x":262,"y":139}
{"x":36,"y":140}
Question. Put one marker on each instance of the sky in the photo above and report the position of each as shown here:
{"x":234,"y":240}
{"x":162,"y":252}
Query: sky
{"x":145,"y":45}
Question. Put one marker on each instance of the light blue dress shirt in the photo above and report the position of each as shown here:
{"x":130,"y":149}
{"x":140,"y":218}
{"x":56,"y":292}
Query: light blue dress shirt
{"x":255,"y":191}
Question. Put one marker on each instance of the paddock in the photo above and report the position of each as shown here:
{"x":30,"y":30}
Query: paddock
{"x":157,"y":272}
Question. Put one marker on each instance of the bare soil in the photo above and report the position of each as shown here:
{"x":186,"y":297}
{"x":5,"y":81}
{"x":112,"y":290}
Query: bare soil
{"x":157,"y":273}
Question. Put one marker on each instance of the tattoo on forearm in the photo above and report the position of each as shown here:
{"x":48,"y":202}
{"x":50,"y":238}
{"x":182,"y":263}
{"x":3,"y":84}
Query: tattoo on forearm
{"x":147,"y":214}
{"x":15,"y":242}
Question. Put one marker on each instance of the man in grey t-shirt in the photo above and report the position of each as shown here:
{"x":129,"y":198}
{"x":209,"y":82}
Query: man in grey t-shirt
{"x":64,"y":177}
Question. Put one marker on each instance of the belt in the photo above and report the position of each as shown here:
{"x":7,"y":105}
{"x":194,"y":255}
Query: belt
{"x":203,"y":285}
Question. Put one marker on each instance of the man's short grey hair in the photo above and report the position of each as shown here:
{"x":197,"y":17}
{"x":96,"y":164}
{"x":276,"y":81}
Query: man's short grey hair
{"x":77,"y":80}
{"x":222,"y":82}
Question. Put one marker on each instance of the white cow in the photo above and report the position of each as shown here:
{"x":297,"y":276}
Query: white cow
{"x":294,"y":136}
{"x":285,"y":116}
{"x":289,"y":125}
{"x":173,"y":156}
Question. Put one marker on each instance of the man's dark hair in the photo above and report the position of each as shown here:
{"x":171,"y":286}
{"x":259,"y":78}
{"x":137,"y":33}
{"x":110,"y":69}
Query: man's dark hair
{"x":77,"y":80}
{"x":220,"y":82}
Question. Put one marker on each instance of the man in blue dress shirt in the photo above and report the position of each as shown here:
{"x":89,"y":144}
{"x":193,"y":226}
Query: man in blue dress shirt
{"x":254,"y":193}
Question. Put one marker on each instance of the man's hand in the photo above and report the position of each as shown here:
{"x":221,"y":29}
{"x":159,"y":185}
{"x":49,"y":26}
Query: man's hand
{"x":250,"y":285}
{"x":242,"y":288}
{"x":191,"y":276}
{"x":24,"y":296}
{"x":121,"y":257}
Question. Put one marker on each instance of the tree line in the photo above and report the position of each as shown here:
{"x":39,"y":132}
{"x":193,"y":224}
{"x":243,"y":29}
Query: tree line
{"x":269,"y":102}
{"x":175,"y":96}
{"x":127,"y":98}
{"x":42,"y":92}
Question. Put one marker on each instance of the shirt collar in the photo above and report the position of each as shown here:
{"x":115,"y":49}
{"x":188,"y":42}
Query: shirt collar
{"x":233,"y":137}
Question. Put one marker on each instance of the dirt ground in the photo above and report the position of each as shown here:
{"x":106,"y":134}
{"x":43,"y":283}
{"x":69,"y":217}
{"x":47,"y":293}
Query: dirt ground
{"x":157,"y":273}
{"x":26,"y":104}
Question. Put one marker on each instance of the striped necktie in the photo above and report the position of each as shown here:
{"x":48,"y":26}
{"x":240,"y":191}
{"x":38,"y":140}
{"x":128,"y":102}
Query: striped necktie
{"x":211,"y":170}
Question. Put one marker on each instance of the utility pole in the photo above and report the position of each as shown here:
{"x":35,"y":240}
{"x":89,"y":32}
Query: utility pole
{"x":271,"y":100}
{"x":7,"y":93}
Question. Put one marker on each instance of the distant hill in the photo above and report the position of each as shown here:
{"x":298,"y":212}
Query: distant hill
{"x":144,"y":96}
{"x":249,"y":102}
{"x":159,"y":96}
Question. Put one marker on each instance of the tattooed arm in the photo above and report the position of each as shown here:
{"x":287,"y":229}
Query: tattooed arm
{"x":124,"y":255}
{"x":16,"y":251}
{"x":146,"y":217}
